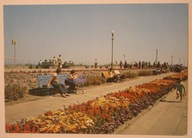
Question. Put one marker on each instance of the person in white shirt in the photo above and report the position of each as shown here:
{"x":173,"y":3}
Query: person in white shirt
{"x":59,"y":61}
{"x":54,"y":61}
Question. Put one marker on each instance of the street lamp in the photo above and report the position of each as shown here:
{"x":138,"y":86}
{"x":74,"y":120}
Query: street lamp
{"x":112,"y":33}
{"x":179,"y":61}
{"x":14,"y":44}
{"x":156,"y":56}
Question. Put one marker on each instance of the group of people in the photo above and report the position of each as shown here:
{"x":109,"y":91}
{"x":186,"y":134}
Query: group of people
{"x":115,"y":76}
{"x":58,"y":61}
{"x":55,"y":82}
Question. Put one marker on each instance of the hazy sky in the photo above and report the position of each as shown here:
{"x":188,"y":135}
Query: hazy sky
{"x":82,"y":33}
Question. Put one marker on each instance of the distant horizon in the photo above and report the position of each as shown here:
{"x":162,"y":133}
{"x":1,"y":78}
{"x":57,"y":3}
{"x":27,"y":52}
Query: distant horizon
{"x":81,"y":64}
{"x":82,"y":33}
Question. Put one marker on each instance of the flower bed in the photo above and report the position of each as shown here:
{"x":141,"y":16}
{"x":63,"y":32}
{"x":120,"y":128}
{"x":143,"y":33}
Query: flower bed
{"x":28,"y":79}
{"x":180,"y":76}
{"x":101,"y":115}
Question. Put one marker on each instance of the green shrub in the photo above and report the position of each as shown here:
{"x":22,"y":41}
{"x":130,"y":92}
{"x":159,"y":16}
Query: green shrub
{"x":145,"y":73}
{"x":14,"y":92}
{"x":130,"y":74}
{"x":30,"y":66}
{"x":94,"y":80}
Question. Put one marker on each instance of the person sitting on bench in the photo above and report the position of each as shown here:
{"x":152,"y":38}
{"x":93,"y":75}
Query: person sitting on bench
{"x":114,"y":76}
{"x":55,"y":83}
{"x":70,"y":82}
{"x":118,"y":76}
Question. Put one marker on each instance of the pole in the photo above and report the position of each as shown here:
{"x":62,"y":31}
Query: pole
{"x":14,"y":44}
{"x":112,"y":49}
{"x":14,"y":54}
{"x":156,"y":56}
{"x":179,"y":60}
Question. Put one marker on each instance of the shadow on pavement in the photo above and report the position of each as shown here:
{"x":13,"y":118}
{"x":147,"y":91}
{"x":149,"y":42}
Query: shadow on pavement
{"x":170,"y":101}
{"x":42,"y":91}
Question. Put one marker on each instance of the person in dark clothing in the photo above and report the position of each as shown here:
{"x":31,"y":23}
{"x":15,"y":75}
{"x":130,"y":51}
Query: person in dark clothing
{"x":70,"y":82}
{"x":115,"y":76}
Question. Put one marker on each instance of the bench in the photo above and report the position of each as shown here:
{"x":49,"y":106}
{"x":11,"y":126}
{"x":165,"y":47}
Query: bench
{"x":105,"y":74}
{"x":115,"y":78}
{"x":44,"y":79}
{"x":107,"y":77}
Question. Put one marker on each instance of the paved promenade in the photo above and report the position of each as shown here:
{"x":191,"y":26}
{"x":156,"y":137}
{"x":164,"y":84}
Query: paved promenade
{"x":167,"y":117}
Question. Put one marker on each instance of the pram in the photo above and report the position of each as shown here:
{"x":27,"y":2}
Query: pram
{"x":77,"y":85}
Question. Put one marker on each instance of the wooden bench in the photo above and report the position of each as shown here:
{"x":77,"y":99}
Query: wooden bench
{"x":107,"y":77}
{"x":105,"y":74}
{"x":115,"y":78}
{"x":44,"y":79}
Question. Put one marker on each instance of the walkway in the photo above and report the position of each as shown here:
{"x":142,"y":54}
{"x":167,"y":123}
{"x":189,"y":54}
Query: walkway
{"x":167,"y":117}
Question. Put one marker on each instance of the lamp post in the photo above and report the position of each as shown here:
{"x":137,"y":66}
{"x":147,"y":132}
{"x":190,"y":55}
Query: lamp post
{"x":179,"y":61}
{"x":112,"y":33}
{"x":14,"y":44}
{"x":156,"y":56}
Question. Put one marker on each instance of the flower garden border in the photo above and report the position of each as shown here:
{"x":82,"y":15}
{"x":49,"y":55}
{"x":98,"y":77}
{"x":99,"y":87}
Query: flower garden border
{"x":101,"y":115}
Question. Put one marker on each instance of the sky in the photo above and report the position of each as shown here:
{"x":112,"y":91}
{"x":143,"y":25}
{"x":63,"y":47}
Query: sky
{"x":83,"y":33}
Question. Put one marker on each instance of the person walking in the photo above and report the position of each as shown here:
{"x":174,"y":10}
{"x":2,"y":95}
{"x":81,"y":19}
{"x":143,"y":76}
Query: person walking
{"x":180,"y":91}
